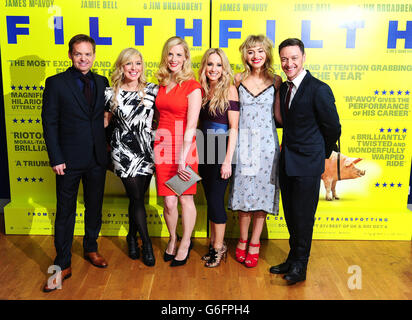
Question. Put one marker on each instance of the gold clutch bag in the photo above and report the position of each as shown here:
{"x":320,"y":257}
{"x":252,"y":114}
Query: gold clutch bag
{"x":179,"y":186}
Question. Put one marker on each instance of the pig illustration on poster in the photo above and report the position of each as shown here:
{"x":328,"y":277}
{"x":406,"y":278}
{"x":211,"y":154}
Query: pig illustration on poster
{"x":339,"y":167}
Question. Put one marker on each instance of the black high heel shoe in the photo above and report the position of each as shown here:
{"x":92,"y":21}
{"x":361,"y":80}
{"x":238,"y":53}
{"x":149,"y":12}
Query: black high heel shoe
{"x":133,"y":248}
{"x":168,"y":257}
{"x":148,"y":256}
{"x":176,"y":263}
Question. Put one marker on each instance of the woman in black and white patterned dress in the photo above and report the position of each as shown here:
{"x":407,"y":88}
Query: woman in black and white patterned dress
{"x":130,"y":109}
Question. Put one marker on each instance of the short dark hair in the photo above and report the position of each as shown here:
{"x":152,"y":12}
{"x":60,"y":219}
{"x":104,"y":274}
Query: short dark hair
{"x":292,"y":42}
{"x":81,"y":38}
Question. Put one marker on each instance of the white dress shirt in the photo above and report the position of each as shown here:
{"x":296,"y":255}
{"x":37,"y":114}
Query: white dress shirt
{"x":296,"y":83}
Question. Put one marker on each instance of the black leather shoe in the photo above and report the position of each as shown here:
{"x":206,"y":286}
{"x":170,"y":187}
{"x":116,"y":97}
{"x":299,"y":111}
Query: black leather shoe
{"x":296,"y":274}
{"x":176,"y":263}
{"x":133,"y":247}
{"x":280,"y":268}
{"x":148,"y":256}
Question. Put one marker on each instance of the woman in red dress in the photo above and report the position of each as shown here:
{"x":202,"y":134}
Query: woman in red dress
{"x":178,"y":102}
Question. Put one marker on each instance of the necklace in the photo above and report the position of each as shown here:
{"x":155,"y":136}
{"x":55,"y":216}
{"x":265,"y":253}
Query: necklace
{"x":256,"y":85}
{"x":259,"y":86}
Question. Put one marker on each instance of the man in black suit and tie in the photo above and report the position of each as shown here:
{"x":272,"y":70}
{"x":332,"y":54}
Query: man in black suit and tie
{"x":311,"y":129}
{"x":73,"y":126}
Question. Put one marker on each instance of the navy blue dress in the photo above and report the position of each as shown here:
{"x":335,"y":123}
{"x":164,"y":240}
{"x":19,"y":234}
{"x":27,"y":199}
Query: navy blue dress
{"x":215,"y":132}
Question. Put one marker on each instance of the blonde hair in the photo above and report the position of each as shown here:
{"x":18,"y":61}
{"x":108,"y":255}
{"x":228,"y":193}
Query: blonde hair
{"x":164,"y":75}
{"x":267,"y":45}
{"x":125,"y":56}
{"x":220,"y":99}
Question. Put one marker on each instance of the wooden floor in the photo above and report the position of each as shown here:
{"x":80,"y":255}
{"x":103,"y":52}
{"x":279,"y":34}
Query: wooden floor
{"x":386,"y":272}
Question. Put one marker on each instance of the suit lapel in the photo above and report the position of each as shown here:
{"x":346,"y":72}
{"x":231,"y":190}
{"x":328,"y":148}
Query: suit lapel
{"x":98,"y":89}
{"x":300,"y":90}
{"x":81,"y":99}
{"x":282,"y":97}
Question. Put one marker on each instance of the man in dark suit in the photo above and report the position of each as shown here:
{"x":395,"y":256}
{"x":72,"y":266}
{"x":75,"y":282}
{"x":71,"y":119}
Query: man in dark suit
{"x":73,"y":126}
{"x":311,"y":129}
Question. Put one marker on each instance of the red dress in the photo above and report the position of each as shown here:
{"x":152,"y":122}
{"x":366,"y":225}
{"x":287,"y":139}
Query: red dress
{"x":173,"y":107}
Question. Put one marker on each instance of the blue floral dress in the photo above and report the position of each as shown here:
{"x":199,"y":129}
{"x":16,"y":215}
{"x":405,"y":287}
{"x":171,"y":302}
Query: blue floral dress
{"x":255,"y":183}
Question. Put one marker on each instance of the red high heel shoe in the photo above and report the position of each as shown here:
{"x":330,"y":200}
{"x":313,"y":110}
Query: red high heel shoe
{"x":241,"y":254}
{"x":252,"y":259}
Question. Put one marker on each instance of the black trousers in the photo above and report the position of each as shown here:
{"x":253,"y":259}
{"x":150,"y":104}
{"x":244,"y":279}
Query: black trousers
{"x":215,"y":189}
{"x":300,"y":197}
{"x":215,"y":146}
{"x":67,"y":187}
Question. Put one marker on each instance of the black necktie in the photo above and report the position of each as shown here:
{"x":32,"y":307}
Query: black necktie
{"x":87,"y":89}
{"x":290,"y":86}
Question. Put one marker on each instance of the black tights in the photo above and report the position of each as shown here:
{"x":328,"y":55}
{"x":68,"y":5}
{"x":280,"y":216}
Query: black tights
{"x":136,"y":188}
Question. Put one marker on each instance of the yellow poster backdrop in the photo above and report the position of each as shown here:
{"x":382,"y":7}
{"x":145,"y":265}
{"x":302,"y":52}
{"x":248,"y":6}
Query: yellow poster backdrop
{"x":362,"y":50}
{"x":34,"y":44}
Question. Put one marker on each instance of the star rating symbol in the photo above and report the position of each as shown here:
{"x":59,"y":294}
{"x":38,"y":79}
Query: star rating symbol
{"x":397,"y":130}
{"x":391,"y":185}
{"x":30,"y":120}
{"x":33,"y":179}
{"x":27,"y":87}
{"x":391,"y":92}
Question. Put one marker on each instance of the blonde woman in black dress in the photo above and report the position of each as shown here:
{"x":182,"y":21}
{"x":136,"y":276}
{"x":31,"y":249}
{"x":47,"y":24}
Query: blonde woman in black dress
{"x":219,"y":118}
{"x":130,"y":108}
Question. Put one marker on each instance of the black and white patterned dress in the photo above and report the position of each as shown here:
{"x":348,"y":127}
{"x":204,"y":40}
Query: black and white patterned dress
{"x":132,"y":138}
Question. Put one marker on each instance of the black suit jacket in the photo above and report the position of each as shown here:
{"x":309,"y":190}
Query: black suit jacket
{"x":72,"y":130}
{"x":310,"y":128}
